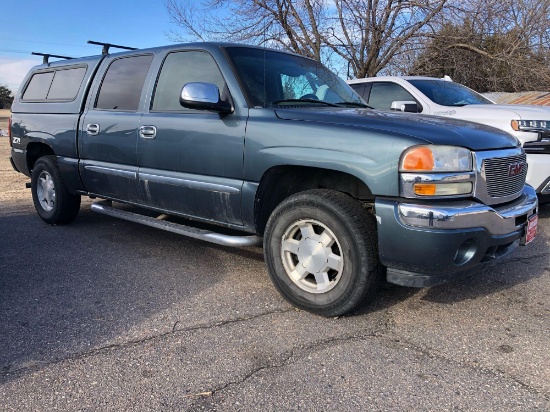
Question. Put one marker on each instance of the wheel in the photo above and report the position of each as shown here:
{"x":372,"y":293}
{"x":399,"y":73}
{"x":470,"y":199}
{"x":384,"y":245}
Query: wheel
{"x":321,"y":251}
{"x":52,"y":200}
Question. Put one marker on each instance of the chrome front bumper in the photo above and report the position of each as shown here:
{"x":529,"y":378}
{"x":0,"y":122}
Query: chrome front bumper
{"x":498,"y":220}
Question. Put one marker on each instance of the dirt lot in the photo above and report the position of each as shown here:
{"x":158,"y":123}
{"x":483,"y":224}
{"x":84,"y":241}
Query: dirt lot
{"x":109,"y":315}
{"x":10,"y":182}
{"x":4,"y":114}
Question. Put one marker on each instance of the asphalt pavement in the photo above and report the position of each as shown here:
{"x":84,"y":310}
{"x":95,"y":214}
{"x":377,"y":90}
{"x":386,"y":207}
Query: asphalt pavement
{"x":109,"y":315}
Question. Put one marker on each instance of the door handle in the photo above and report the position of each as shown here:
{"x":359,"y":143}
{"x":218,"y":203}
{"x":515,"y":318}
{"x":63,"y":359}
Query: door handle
{"x":147,"y":132}
{"x":92,"y":129}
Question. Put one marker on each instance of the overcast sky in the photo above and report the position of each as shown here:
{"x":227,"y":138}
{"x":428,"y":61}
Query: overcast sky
{"x":64,"y":26}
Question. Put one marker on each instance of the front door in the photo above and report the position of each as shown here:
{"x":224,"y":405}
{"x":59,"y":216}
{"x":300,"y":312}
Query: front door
{"x":191,"y":161}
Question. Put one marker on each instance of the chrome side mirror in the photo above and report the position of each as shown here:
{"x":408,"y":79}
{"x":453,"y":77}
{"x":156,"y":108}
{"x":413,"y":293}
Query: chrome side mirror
{"x":203,"y":96}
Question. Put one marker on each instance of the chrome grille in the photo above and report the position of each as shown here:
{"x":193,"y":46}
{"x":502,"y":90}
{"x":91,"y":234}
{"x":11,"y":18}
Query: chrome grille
{"x":497,"y":175}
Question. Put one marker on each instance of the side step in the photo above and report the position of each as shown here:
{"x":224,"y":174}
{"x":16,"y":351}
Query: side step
{"x":206,"y":235}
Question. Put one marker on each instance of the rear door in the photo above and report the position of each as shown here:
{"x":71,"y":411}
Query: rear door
{"x":109,"y":129}
{"x":191,"y":161}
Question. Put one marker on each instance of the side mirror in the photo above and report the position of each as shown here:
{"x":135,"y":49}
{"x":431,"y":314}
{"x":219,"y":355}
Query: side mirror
{"x":204,"y":96}
{"x":405,"y":106}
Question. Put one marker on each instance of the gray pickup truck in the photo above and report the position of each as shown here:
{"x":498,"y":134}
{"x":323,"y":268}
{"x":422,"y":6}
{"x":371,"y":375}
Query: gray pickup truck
{"x":257,"y":145}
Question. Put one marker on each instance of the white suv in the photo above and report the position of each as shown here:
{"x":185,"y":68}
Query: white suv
{"x":443,"y":97}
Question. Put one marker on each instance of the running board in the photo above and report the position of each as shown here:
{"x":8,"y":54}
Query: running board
{"x":206,"y":235}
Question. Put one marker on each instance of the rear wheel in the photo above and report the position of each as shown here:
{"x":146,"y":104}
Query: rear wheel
{"x":321,"y":252}
{"x":53,"y":202}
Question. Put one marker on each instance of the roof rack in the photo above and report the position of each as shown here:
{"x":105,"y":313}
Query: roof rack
{"x":106,"y":46}
{"x":46,"y":57}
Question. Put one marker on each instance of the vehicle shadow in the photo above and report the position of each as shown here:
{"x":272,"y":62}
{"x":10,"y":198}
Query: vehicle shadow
{"x":100,"y":281}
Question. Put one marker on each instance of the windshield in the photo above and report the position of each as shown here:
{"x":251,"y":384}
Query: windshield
{"x":272,"y":78}
{"x":448,"y":93}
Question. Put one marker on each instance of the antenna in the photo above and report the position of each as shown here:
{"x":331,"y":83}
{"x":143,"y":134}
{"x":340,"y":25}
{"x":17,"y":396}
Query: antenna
{"x":46,"y":57}
{"x":106,"y":46}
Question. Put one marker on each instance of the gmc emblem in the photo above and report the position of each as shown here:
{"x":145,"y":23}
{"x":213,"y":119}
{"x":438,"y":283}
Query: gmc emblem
{"x":515,"y":169}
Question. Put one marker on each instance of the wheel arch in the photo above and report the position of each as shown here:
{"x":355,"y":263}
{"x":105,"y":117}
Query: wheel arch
{"x":35,"y":150}
{"x":280,"y":182}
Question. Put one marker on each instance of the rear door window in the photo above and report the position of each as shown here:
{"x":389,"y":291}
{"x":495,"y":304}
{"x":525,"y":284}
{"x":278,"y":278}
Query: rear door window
{"x":122,"y":85}
{"x":359,"y":88}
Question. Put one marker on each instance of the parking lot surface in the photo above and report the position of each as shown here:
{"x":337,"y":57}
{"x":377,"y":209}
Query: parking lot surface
{"x":105,"y":314}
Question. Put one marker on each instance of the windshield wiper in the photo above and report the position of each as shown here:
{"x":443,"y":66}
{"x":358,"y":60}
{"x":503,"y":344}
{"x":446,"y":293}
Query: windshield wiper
{"x":306,"y":101}
{"x":354,"y":104}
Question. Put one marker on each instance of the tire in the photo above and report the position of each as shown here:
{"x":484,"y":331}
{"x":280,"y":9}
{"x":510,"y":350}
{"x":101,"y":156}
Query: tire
{"x":52,"y":200}
{"x":321,"y":250}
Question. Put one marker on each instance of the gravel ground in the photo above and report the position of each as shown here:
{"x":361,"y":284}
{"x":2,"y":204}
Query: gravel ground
{"x":108,"y":315}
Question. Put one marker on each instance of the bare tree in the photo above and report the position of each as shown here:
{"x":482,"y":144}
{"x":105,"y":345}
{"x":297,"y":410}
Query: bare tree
{"x":491,"y":45}
{"x":6,"y":97}
{"x":366,"y":35}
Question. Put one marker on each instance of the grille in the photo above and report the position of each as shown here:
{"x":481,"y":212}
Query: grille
{"x":499,"y":183}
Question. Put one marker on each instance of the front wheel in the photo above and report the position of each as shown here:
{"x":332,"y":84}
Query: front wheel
{"x":53,"y":202}
{"x":321,"y":251}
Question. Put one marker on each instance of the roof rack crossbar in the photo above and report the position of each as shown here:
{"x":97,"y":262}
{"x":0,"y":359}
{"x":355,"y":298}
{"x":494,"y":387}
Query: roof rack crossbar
{"x":46,"y":57}
{"x":106,"y":46}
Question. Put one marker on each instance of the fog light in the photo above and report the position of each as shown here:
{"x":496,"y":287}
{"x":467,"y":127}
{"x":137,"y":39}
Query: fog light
{"x":466,"y":252}
{"x":442,"y":189}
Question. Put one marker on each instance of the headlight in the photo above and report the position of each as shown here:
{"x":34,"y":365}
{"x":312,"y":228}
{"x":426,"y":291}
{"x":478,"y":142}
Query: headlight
{"x":436,"y":171}
{"x":531,"y":125}
{"x":436,"y":159}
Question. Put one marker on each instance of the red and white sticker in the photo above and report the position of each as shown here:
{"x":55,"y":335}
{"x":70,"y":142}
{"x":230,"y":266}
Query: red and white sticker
{"x":531,"y":230}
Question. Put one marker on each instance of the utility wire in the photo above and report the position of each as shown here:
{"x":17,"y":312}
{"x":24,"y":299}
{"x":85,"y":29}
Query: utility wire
{"x":44,"y":42}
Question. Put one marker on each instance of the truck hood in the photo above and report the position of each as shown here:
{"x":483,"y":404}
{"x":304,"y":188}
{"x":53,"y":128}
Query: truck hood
{"x":510,"y":111}
{"x":429,"y":129}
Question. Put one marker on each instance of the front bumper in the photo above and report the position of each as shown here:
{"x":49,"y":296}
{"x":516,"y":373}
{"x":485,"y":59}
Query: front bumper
{"x":425,"y":244}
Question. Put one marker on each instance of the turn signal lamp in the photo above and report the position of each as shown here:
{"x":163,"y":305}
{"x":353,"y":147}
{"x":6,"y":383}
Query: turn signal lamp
{"x":424,"y":189}
{"x":442,"y":189}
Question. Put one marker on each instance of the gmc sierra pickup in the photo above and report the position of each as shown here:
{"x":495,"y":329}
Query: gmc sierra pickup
{"x":270,"y":147}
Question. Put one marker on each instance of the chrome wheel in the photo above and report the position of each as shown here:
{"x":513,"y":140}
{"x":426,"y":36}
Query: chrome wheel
{"x":46,"y":191}
{"x":312,"y":256}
